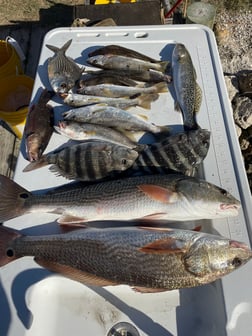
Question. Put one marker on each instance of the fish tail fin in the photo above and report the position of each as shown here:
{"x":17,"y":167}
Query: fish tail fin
{"x":164,"y":66}
{"x":36,"y":164}
{"x":7,"y":235}
{"x":145,"y":100}
{"x":161,"y":87}
{"x":13,"y":199}
{"x":62,"y":49}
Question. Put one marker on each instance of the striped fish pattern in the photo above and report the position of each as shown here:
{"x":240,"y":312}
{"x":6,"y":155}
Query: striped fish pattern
{"x":182,"y":152}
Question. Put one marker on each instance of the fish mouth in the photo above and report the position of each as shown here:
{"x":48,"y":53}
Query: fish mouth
{"x":232,"y":207}
{"x":240,"y":245}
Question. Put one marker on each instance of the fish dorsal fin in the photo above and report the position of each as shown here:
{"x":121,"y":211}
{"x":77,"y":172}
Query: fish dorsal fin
{"x":158,"y":193}
{"x":145,"y":290}
{"x":198,"y":98}
{"x":164,"y":246}
{"x":68,"y":219}
{"x":75,"y":274}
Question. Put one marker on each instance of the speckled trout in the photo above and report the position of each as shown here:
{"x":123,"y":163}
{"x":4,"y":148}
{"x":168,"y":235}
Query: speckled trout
{"x":147,"y":259}
{"x":169,"y":197}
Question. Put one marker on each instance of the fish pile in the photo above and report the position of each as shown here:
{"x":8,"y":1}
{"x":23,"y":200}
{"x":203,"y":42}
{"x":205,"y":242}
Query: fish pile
{"x":120,"y":178}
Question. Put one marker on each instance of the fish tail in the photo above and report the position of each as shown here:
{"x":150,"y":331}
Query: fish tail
{"x":7,"y":236}
{"x":13,"y":199}
{"x":36,"y":164}
{"x":145,"y":100}
{"x":161,"y":87}
{"x":62,"y":49}
{"x":164,"y":66}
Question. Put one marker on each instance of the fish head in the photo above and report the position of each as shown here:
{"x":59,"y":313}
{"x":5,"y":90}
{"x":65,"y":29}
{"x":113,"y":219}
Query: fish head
{"x":97,"y":60}
{"x":123,"y":158}
{"x":180,"y":53}
{"x":211,"y":257}
{"x":207,"y":198}
{"x":61,"y":84}
{"x":34,"y":147}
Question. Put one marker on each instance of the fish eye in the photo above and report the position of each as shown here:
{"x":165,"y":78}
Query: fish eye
{"x":63,"y":85}
{"x":10,"y":253}
{"x":236,"y":262}
{"x":24,"y":195}
{"x":124,"y":162}
{"x":223,"y":192}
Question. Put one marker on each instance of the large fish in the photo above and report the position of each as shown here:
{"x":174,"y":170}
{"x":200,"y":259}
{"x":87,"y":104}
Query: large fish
{"x":77,"y":100}
{"x":117,"y":62}
{"x":87,"y":161}
{"x":39,"y":126}
{"x":63,"y":72}
{"x":188,"y":92}
{"x":149,"y":260}
{"x":168,"y":197}
{"x":181,"y":152}
{"x":86,"y":131}
{"x":115,"y":91}
{"x":110,"y":116}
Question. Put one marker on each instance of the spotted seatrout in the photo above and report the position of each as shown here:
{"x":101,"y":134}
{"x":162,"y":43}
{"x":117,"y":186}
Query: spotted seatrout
{"x":150,"y":260}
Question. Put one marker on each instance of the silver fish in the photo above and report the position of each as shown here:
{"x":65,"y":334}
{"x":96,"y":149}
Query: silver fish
{"x":103,"y":114}
{"x":155,"y":259}
{"x":63,"y":72}
{"x":188,"y":92}
{"x":88,"y":161}
{"x":115,"y":91}
{"x":86,"y":131}
{"x":168,"y":197}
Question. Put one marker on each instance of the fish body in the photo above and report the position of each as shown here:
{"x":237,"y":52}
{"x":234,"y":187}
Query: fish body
{"x":168,"y":197}
{"x":181,"y":152}
{"x":110,"y":116}
{"x":150,"y":260}
{"x":118,"y":62}
{"x":86,"y":131}
{"x":88,"y":161}
{"x":63,"y":72}
{"x":39,"y":126}
{"x":77,"y":100}
{"x":115,"y":91}
{"x":188,"y":92}
{"x":95,"y":78}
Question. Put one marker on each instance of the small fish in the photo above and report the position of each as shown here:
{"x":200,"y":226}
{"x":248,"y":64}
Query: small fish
{"x":115,"y":91}
{"x":188,"y":92}
{"x":117,"y":62}
{"x":88,"y":161}
{"x":166,"y":197}
{"x":39,"y":126}
{"x":63,"y":72}
{"x":77,"y":100}
{"x":109,"y":116}
{"x":102,"y":77}
{"x":181,"y":152}
{"x":150,"y":260}
{"x":86,"y":131}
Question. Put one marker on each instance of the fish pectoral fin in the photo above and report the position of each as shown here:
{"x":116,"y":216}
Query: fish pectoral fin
{"x":68,"y":219}
{"x":74,"y":274}
{"x":158,"y":193}
{"x":154,"y":216}
{"x":164,"y":246}
{"x":145,"y":290}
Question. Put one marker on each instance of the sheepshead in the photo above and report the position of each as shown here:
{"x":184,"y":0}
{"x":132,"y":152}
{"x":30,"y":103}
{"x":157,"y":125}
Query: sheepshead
{"x":109,"y":116}
{"x":88,"y":161}
{"x":168,"y":197}
{"x":86,"y":131}
{"x":182,"y":152}
{"x":115,"y":91}
{"x":39,"y":126}
{"x":118,"y":62}
{"x":63,"y":72}
{"x":77,"y":100}
{"x":156,"y":259}
{"x":188,"y":92}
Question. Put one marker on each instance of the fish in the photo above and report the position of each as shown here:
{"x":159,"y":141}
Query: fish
{"x":115,"y":91}
{"x":39,"y":126}
{"x":86,"y":131}
{"x":77,"y":100}
{"x":117,"y":62}
{"x":95,"y":78}
{"x":181,"y":152}
{"x":88,"y":161}
{"x":156,"y":259}
{"x":188,"y":92}
{"x":110,"y":116}
{"x":63,"y":72}
{"x":151,"y":197}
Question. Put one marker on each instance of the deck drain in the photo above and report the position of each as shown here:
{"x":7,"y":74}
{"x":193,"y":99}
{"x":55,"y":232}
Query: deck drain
{"x":123,"y":329}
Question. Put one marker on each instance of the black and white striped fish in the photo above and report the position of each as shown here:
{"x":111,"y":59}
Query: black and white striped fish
{"x":182,"y":152}
{"x":87,"y":161}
